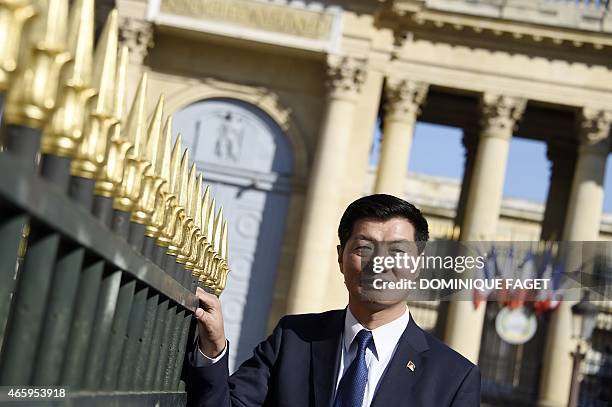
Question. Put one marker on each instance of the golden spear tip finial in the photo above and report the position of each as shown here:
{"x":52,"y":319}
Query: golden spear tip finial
{"x":41,"y":53}
{"x":204,"y":210}
{"x":185,"y":159}
{"x":154,"y":134}
{"x":224,"y":245}
{"x":175,"y":166}
{"x":121,"y":83}
{"x":119,"y":98}
{"x":191,"y":187}
{"x":164,"y":153}
{"x":64,"y":130}
{"x":135,"y":123}
{"x":210,"y":221}
{"x":80,"y":43}
{"x":105,"y":60}
{"x":220,"y":214}
{"x":197,"y":202}
{"x":184,"y":180}
{"x":10,"y":40}
{"x":53,"y":21}
{"x":217,"y":231}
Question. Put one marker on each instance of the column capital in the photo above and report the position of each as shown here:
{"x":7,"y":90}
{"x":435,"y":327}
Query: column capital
{"x":594,"y":131}
{"x":345,"y":76}
{"x":138,"y":36}
{"x":500,"y":114}
{"x":404,"y":98}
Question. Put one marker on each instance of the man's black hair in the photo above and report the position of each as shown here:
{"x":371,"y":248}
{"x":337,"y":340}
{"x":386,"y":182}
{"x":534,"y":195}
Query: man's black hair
{"x":383,"y":207}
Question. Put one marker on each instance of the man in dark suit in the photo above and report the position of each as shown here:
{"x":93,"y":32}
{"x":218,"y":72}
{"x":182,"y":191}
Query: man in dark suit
{"x":371,"y":353}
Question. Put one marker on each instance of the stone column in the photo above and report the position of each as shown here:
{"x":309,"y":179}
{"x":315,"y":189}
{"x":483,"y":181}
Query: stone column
{"x":470,"y":143}
{"x":581,"y":224}
{"x":401,"y":109}
{"x":320,"y":221}
{"x":586,"y":201}
{"x":562,"y":159}
{"x":500,"y":114}
{"x":138,"y":36}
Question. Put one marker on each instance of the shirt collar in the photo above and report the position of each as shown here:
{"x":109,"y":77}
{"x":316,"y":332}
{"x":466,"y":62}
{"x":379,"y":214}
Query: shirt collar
{"x":385,"y":336}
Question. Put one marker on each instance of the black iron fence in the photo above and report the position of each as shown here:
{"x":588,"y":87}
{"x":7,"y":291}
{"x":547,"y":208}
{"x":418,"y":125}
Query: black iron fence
{"x":105,"y":230}
{"x":596,"y":368}
{"x":510,"y":373}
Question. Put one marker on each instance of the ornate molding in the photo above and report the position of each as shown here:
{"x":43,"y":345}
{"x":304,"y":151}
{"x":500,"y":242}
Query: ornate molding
{"x":345,"y":75}
{"x":138,"y":36}
{"x":553,"y":23}
{"x":500,"y":113}
{"x":289,"y":20}
{"x":404,"y":98}
{"x":594,"y":131}
{"x":404,"y":7}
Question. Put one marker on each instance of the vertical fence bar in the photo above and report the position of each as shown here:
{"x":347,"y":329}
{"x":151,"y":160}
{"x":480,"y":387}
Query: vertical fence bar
{"x":121,"y":223}
{"x":172,"y":349}
{"x":160,"y":257}
{"x":179,"y":271}
{"x":189,"y":281}
{"x":160,"y":370}
{"x":170,"y":265}
{"x":103,"y":321}
{"x":58,"y":317}
{"x":82,"y":325}
{"x":153,"y":357}
{"x":10,"y":239}
{"x":103,"y":209}
{"x":136,"y":236}
{"x":25,"y":322}
{"x":119,"y":330}
{"x":136,"y":379}
{"x":135,"y":334}
{"x":149,"y":248}
{"x":183,"y":343}
{"x":82,"y":190}
{"x":22,"y":142}
{"x":56,"y":169}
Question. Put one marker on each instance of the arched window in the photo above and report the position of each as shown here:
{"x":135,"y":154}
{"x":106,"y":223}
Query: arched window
{"x":247,"y":160}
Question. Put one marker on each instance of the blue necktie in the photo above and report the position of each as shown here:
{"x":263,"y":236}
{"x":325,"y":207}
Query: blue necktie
{"x":352,"y":385}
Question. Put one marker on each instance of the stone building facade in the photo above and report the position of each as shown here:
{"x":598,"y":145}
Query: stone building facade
{"x":278,"y":101}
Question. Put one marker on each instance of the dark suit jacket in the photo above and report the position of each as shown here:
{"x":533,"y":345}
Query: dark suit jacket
{"x":298,"y":363}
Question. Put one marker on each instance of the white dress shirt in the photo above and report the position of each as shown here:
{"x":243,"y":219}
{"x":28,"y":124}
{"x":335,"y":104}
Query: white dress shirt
{"x":385,"y":337}
{"x":201,"y":360}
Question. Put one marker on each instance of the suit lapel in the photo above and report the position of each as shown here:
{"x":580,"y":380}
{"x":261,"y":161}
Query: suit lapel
{"x":325,"y":358}
{"x":398,"y":380}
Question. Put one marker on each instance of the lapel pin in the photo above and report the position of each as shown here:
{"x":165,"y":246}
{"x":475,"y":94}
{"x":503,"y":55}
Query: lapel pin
{"x":411,"y":365}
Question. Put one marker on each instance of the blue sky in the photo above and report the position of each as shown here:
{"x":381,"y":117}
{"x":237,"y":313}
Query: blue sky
{"x":527,"y":173}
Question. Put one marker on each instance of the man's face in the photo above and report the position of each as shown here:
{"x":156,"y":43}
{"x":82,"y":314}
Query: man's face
{"x":371,"y":238}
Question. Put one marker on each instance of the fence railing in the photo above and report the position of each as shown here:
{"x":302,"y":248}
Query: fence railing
{"x":105,"y":231}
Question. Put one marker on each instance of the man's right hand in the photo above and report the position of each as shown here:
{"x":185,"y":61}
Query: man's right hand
{"x":210,"y":324}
